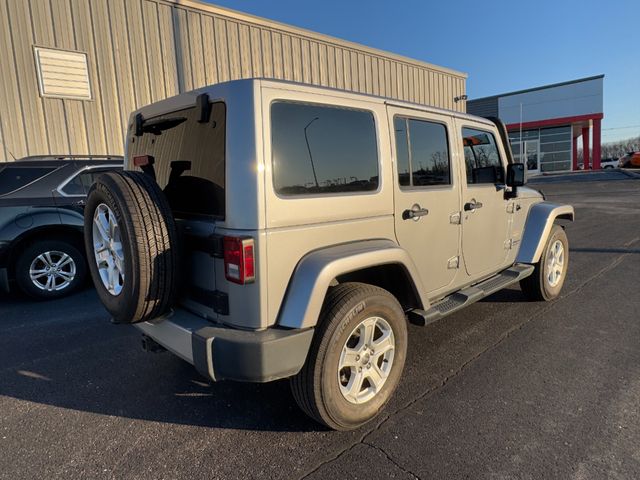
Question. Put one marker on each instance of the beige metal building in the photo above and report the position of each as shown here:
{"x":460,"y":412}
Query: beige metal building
{"x":72,"y":70}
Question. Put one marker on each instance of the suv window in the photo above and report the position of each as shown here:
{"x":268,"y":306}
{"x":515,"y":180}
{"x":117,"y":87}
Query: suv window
{"x":189,"y":158}
{"x":481,"y":157}
{"x":320,"y":149}
{"x":423,"y":153}
{"x":14,"y":177}
{"x":80,"y":184}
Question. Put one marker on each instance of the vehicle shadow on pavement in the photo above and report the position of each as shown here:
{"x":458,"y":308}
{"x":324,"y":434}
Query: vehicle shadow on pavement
{"x":605,"y":250}
{"x":511,"y":294}
{"x":65,"y":353}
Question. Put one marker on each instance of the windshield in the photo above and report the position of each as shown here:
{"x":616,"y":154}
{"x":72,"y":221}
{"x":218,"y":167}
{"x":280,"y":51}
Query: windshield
{"x":188,"y":158}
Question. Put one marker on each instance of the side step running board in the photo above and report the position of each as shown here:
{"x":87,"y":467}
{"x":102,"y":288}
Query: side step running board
{"x":469,"y":295}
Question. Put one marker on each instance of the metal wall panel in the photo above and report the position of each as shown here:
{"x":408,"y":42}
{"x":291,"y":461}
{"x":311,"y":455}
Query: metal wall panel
{"x":141,"y":51}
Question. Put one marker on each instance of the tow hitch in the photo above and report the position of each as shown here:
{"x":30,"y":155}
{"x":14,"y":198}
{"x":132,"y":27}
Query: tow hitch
{"x":149,"y":345}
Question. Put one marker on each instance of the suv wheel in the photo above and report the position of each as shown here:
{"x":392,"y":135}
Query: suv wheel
{"x":356,"y":358}
{"x":550,"y":272}
{"x":132,"y":247}
{"x":49,"y":269}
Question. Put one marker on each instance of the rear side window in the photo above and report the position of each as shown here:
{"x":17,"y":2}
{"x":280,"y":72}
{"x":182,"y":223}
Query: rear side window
{"x":322,"y":150}
{"x":14,"y":177}
{"x":422,"y":153}
{"x":80,"y":184}
{"x":189,"y":158}
{"x":481,"y":157}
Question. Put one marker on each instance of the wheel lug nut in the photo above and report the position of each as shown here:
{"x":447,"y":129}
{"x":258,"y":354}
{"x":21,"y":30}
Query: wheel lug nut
{"x":359,"y":369}
{"x":368,"y":365}
{"x":357,"y":357}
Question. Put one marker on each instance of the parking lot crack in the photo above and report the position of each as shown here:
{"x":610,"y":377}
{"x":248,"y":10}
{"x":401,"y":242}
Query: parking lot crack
{"x":459,"y":370}
{"x":381,"y":450}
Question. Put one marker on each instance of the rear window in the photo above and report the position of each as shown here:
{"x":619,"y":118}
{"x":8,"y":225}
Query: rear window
{"x":80,"y":184}
{"x":14,"y":177}
{"x":320,"y":149}
{"x":189,"y":158}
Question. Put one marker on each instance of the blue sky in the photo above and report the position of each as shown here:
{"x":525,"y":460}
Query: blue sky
{"x":502,"y":45}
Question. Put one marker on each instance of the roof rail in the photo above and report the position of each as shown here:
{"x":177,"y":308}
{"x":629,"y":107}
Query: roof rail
{"x":71,"y":157}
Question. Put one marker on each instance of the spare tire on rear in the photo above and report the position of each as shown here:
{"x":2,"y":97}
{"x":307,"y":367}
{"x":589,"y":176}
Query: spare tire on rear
{"x":132,"y":246}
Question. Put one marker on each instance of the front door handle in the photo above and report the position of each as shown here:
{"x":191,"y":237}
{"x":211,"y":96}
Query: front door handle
{"x":472,"y":206}
{"x":414,"y":213}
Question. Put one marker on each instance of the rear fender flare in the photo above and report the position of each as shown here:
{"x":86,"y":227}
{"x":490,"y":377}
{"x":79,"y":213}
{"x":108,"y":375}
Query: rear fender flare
{"x":538,"y":227}
{"x":314,"y":273}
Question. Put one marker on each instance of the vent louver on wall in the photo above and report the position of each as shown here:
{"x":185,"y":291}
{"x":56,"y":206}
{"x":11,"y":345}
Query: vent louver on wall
{"x":62,"y":73}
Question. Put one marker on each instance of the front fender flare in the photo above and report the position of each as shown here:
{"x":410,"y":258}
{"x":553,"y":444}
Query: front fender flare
{"x":314,"y":273}
{"x":536,"y":231}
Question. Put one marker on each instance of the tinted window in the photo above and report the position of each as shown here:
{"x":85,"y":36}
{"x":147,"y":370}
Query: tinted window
{"x":423,"y":153}
{"x":80,"y":184}
{"x":320,"y":149}
{"x":481,"y":157}
{"x":14,"y":177}
{"x":189,"y":158}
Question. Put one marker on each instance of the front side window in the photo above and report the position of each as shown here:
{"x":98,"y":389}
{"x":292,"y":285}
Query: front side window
{"x":422,"y":153}
{"x":481,"y":157}
{"x":320,"y":149}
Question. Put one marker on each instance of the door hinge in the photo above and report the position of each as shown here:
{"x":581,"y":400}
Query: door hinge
{"x":211,"y":244}
{"x":512,"y":242}
{"x":453,"y":263}
{"x":214,"y":299}
{"x":513,"y":207}
{"x":455,"y":218}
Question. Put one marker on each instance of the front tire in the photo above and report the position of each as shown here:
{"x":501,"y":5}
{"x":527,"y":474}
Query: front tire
{"x":356,"y":357}
{"x":551,"y":271}
{"x":50,"y":269}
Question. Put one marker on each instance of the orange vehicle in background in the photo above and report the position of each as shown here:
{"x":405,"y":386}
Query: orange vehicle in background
{"x":630,"y":160}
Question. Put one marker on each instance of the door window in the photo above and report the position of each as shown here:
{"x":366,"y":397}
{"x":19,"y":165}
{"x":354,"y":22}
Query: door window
{"x":422,"y":151}
{"x":481,"y":157}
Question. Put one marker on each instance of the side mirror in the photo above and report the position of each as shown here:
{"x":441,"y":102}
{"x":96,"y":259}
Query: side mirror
{"x":515,"y":175}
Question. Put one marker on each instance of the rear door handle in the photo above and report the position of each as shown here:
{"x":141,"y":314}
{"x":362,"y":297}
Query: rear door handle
{"x":472,"y":205}
{"x":414,"y":213}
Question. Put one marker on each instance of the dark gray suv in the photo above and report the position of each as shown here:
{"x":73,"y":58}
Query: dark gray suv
{"x":41,"y":221}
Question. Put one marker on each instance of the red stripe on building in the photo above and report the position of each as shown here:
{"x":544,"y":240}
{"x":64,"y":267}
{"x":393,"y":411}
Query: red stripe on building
{"x":555,"y":121}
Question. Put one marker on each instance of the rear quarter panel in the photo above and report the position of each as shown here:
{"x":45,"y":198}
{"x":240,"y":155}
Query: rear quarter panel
{"x":297,"y":225}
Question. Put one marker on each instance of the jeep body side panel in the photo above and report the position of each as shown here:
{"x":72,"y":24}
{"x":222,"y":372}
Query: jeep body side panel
{"x":297,"y":224}
{"x":313,"y":275}
{"x":536,"y":231}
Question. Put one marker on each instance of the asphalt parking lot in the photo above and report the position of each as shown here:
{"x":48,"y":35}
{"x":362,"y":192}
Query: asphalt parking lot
{"x":503,"y":389}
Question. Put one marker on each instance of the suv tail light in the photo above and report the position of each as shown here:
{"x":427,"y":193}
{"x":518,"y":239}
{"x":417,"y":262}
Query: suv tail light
{"x":239,"y":260}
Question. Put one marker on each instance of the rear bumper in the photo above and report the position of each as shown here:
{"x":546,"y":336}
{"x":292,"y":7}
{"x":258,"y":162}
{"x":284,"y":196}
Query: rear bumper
{"x":220,"y":352}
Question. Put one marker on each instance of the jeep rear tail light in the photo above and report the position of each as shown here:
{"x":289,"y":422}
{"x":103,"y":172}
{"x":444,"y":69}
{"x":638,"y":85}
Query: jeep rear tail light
{"x":239,"y":260}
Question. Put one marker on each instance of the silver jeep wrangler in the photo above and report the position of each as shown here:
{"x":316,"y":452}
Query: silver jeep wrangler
{"x":266,"y":229}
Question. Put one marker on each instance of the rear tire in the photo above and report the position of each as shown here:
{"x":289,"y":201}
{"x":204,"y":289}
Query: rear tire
{"x":337,"y":388}
{"x":50,"y":269}
{"x":132,"y":246}
{"x":550,"y":272}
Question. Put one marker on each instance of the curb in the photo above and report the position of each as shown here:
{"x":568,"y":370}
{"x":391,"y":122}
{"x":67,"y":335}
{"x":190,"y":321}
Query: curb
{"x":629,"y":173}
